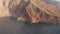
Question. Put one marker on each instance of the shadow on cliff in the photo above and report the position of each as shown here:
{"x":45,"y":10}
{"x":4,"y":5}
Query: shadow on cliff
{"x":18,"y":10}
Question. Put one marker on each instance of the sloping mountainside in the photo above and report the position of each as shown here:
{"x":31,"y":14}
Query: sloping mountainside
{"x":30,"y":10}
{"x":53,"y":2}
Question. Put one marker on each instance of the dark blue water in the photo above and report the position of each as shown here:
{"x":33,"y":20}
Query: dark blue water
{"x":9,"y":25}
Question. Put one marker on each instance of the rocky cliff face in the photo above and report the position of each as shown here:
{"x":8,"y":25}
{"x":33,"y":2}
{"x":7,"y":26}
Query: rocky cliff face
{"x":13,"y":8}
{"x":30,"y":10}
{"x":4,"y":8}
{"x":40,"y":11}
{"x":5,"y":5}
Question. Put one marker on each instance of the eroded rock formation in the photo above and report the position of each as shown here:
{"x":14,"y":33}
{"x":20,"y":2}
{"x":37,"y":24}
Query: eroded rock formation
{"x":30,"y":10}
{"x":40,"y":11}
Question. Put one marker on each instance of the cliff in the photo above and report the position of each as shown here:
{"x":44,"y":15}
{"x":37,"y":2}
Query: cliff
{"x":40,"y":11}
{"x":5,"y":5}
{"x":30,"y":10}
